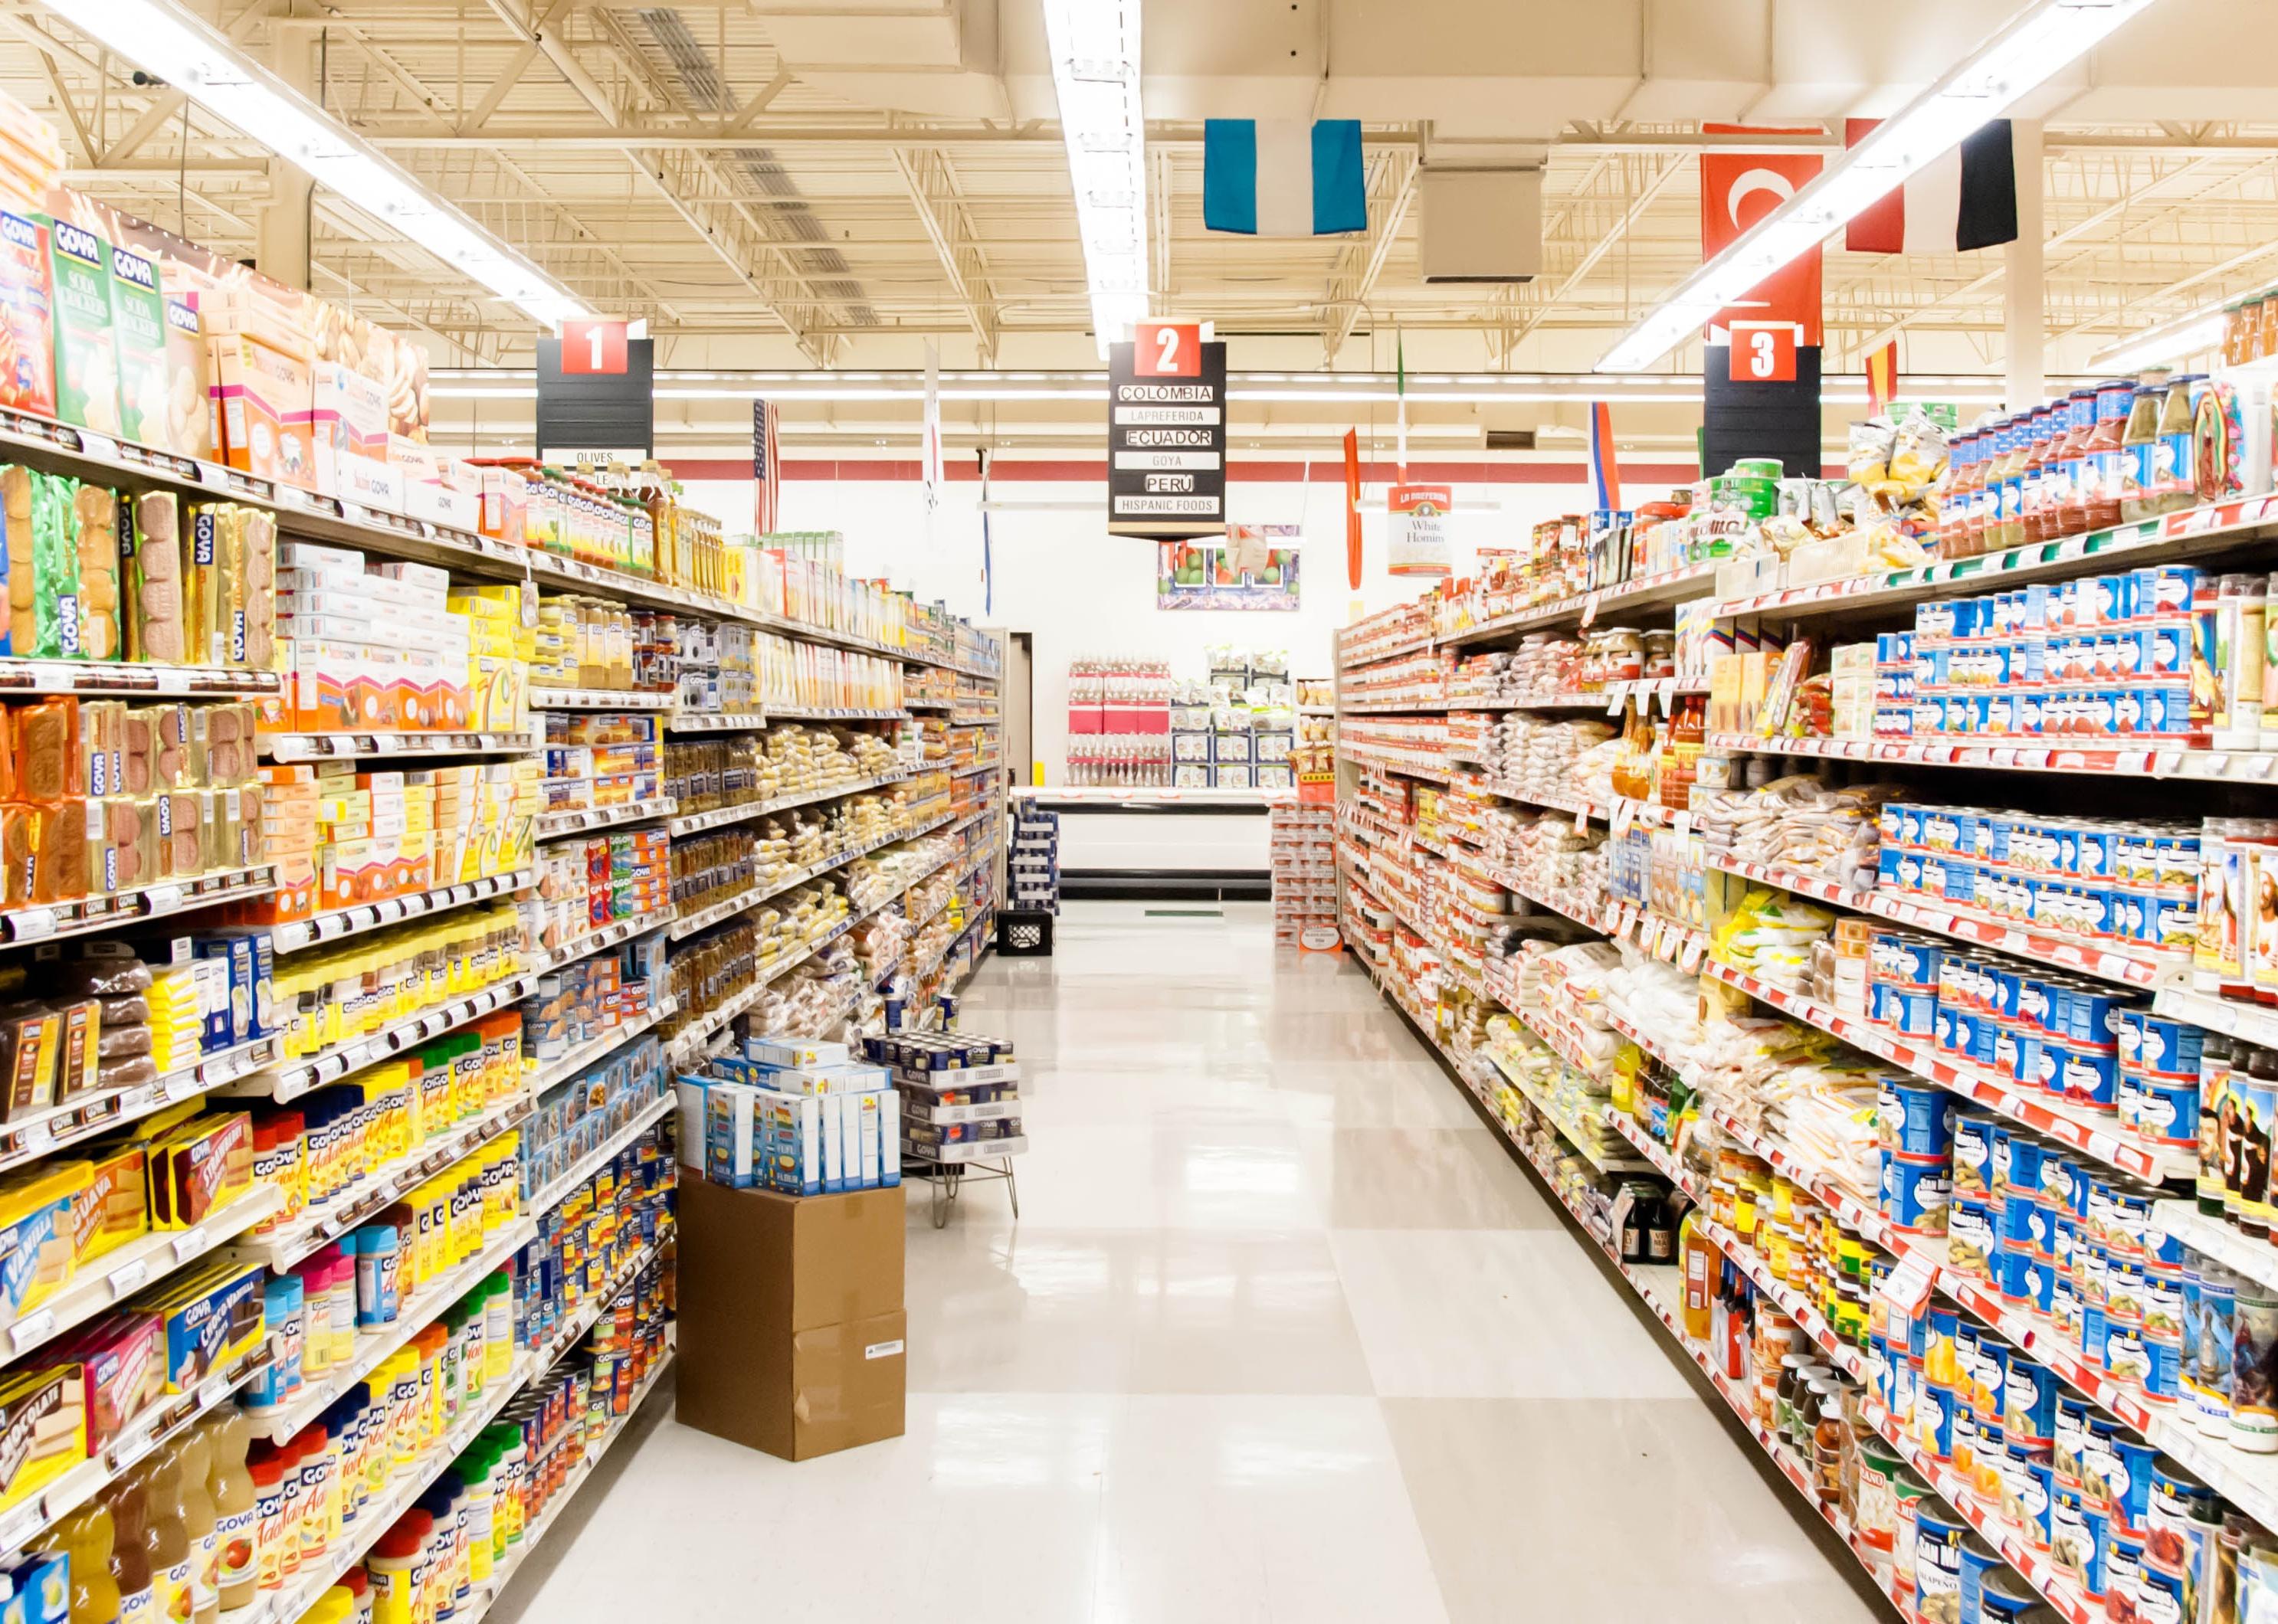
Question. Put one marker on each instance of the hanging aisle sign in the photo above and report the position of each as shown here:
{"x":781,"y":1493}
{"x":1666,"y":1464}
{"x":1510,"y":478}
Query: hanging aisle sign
{"x":1167,"y":434}
{"x":1419,"y":516}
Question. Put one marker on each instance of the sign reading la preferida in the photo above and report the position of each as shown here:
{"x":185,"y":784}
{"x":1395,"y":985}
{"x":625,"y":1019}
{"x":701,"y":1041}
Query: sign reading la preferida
{"x":1421,"y":516}
{"x":1167,"y":434}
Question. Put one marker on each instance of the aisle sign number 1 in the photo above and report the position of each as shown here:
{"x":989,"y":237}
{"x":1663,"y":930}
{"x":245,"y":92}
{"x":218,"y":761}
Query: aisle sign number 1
{"x":1167,"y":349}
{"x":1763,"y":351}
{"x":593,"y":348}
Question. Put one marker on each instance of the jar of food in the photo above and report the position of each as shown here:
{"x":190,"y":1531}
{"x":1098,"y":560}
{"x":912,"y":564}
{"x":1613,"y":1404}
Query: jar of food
{"x":2173,"y":482}
{"x":2102,"y":474}
{"x":2139,"y":461}
{"x":1659,"y":654}
{"x":1622,"y":650}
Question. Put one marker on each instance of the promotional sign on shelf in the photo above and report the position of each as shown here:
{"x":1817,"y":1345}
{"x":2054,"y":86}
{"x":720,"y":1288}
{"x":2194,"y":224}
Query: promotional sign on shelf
{"x":1167,"y":434}
{"x":1419,"y":516}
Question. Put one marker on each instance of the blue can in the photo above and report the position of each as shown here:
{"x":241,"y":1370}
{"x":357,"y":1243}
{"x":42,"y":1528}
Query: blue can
{"x":2029,"y":1401}
{"x":2004,"y":1598}
{"x":2178,"y":1498}
{"x":2027,"y":1226}
{"x":2166,"y":1594}
{"x":1909,"y":1012}
{"x":2131,"y":1478}
{"x":2091,"y":1076}
{"x":1970,"y":1237}
{"x":2069,"y":1187}
{"x":1978,"y":1559}
{"x":1916,"y":1119}
{"x":1939,"y":1533}
{"x":2016,"y":1051}
{"x":1973,"y":1154}
{"x":2077,"y":1540}
{"x":2167,"y":1111}
{"x":2029,"y":1490}
{"x":1935,"y":1409}
{"x":1988,"y":1366}
{"x":2070,"y":1443}
{"x":1916,"y":1194}
{"x":2123,"y":1572}
{"x":2028,"y":1280}
{"x":2163,"y":1372}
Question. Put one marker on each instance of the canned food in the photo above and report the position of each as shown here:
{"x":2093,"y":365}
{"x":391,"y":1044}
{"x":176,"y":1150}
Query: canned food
{"x":1916,"y":1119}
{"x":1916,"y":1194}
{"x":2029,"y":1390}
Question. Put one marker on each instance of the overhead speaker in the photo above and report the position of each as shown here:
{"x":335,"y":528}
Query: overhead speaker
{"x":1481,"y":225}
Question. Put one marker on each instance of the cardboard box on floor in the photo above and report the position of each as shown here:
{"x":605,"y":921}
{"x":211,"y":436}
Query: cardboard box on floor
{"x":792,"y":1331}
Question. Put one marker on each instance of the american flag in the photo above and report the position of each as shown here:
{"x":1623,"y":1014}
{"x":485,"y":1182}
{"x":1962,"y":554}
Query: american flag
{"x":767,"y":467}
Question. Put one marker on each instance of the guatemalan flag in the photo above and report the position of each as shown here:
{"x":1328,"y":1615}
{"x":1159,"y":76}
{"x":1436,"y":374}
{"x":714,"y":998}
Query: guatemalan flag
{"x":1966,"y":200}
{"x":1283,"y":177}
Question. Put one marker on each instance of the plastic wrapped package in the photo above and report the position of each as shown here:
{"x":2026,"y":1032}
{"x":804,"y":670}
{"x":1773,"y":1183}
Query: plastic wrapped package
{"x":16,"y":529}
{"x":94,"y":541}
{"x":154,"y":628}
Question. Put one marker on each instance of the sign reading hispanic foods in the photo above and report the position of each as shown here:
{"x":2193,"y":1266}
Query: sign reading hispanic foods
{"x":1167,"y":438}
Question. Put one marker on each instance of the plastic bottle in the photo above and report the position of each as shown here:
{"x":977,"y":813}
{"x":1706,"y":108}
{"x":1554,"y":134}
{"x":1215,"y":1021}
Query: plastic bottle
{"x":474,"y":1468}
{"x":357,"y":1584}
{"x":194,"y":1460}
{"x":292,"y":1502}
{"x":311,"y":1464}
{"x":89,"y":1540}
{"x":1700,"y":1260}
{"x":236,"y":1508}
{"x":340,"y":1297}
{"x":265,"y":1466}
{"x":130,"y":1554}
{"x":2071,"y":514}
{"x":397,"y":1569}
{"x":167,"y":1538}
{"x":498,"y":1327}
{"x":284,"y":1305}
{"x":376,"y":1264}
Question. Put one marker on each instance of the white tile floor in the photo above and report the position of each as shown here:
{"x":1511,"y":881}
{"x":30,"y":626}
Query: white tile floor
{"x":1282,"y":1334}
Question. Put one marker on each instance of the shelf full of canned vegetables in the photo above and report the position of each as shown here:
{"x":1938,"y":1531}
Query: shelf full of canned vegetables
{"x":1739,"y":858}
{"x":383,"y":830}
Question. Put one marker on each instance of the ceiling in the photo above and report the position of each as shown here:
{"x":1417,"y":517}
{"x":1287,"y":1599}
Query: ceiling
{"x":835,"y":182}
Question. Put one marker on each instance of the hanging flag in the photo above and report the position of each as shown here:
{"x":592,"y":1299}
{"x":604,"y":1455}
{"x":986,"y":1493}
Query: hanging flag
{"x":932,"y":427}
{"x":1881,"y":377}
{"x":1966,"y":200}
{"x":1283,"y":177}
{"x":766,"y":470}
{"x":1737,"y":190}
{"x":1605,"y":470}
{"x":1352,"y":509}
{"x":988,"y":569}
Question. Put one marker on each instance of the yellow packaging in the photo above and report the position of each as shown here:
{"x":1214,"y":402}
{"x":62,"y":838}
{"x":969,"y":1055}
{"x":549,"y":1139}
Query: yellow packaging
{"x":113,"y":1209}
{"x":37,"y":1252}
{"x":42,"y":1428}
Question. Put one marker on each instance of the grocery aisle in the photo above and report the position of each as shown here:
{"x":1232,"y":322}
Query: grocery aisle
{"x":1283,"y":1334}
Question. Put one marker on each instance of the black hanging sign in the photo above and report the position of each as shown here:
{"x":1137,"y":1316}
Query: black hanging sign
{"x":1166,"y":435}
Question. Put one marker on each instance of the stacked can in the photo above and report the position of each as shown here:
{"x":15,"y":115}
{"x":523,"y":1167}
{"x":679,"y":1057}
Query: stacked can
{"x":2098,"y":880}
{"x":2108,"y":656}
{"x":1894,"y":684}
{"x":1914,"y":1123}
{"x":2159,"y":1095}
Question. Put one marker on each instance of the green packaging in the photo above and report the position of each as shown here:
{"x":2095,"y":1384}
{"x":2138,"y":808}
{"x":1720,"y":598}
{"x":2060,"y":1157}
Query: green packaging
{"x":138,"y":326}
{"x":87,"y":350}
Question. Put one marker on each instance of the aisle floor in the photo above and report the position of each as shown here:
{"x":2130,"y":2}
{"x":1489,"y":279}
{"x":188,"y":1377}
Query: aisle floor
{"x":1282,"y":1333}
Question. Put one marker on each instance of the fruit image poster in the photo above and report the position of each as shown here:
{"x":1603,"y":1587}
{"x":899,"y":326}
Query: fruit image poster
{"x":1254,"y":568}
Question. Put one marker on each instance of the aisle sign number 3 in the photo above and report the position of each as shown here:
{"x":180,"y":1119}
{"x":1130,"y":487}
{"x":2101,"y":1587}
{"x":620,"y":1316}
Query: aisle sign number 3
{"x":593,"y":348}
{"x":1763,"y":351}
{"x":1167,"y":349}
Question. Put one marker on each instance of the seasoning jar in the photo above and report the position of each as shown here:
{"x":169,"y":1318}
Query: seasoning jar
{"x":1622,"y":650}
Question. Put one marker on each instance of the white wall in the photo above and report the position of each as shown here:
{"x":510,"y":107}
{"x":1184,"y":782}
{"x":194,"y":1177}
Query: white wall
{"x":1083,"y":594}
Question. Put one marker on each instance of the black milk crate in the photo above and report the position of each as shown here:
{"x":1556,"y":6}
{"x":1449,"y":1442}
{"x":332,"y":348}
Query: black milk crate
{"x":1024,"y":933}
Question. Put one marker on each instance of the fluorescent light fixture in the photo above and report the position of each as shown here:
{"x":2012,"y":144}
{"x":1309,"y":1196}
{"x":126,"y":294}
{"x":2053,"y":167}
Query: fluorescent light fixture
{"x":178,"y":49}
{"x":2032,"y":48}
{"x":1095,"y":50}
{"x":2170,"y":340}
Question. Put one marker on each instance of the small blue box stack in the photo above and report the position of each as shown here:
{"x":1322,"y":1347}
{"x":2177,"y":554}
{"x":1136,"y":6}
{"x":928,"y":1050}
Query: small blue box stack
{"x":1034,"y":865}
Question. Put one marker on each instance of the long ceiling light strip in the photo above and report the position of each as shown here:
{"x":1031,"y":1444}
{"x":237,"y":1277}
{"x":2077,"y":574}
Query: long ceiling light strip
{"x":2032,"y":48}
{"x":2192,"y":334}
{"x":1095,"y":51}
{"x":178,"y":49}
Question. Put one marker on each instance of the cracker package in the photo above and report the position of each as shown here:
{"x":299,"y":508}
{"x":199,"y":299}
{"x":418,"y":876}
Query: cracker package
{"x":42,"y":1428}
{"x":154,"y":630}
{"x":87,"y":348}
{"x":16,"y":518}
{"x":181,"y":841}
{"x":101,"y":745}
{"x":249,"y":590}
{"x":94,"y":538}
{"x":44,"y":745}
{"x":123,"y":1357}
{"x":19,"y":833}
{"x":50,"y":627}
{"x":28,"y":338}
{"x":59,"y":852}
{"x":210,"y":524}
{"x":128,"y":848}
{"x":138,"y":323}
{"x":114,"y":1208}
{"x":36,"y":1234}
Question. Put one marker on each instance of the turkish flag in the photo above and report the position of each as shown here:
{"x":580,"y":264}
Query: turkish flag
{"x":1737,"y":190}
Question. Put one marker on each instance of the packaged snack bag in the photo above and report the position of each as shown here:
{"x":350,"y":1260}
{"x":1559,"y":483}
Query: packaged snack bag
{"x":155,"y":630}
{"x":94,"y":541}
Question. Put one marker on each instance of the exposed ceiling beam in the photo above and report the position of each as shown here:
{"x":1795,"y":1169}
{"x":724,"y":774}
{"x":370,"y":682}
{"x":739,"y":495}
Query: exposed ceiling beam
{"x":167,"y":104}
{"x":1360,"y":264}
{"x":1599,"y":249}
{"x":932,"y":187}
{"x":758,"y":103}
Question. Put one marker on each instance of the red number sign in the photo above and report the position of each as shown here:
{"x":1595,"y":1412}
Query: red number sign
{"x":1763,"y":351}
{"x":1167,"y":349}
{"x":592,"y":347}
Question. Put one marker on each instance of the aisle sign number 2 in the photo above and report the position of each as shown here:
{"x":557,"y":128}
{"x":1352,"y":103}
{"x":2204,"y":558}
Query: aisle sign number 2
{"x":593,"y":348}
{"x":1763,"y":351}
{"x":1167,"y":349}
